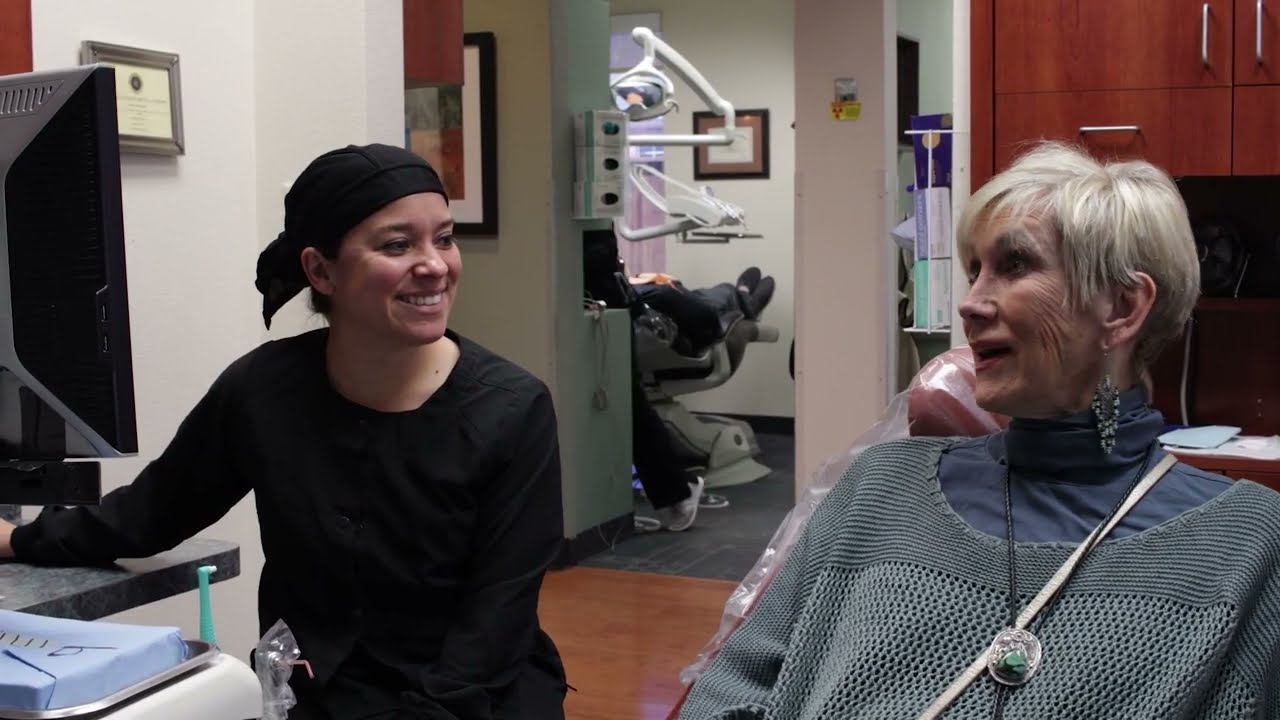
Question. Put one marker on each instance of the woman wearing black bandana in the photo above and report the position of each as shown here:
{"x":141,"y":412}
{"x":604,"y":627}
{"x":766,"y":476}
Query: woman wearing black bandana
{"x":407,"y":480}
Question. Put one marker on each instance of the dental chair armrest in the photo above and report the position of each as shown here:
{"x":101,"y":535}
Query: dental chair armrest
{"x":716,"y":358}
{"x":654,"y":352}
{"x":766,"y":333}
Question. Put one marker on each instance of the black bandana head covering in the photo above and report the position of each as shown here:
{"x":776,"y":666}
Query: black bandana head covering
{"x":336,"y":192}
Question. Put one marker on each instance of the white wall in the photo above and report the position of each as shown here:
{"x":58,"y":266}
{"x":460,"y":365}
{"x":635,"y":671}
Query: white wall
{"x":261,"y":94}
{"x":745,"y":48}
{"x":341,"y":82}
{"x":843,"y":171}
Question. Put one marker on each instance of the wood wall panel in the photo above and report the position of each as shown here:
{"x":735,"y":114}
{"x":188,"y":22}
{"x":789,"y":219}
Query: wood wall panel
{"x":981,"y":97}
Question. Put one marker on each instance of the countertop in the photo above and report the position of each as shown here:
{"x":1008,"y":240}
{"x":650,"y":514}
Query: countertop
{"x":91,"y":593}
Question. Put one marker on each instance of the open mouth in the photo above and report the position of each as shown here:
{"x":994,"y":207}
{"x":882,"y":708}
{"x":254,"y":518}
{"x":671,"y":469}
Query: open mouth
{"x":421,"y":300}
{"x":991,"y":353}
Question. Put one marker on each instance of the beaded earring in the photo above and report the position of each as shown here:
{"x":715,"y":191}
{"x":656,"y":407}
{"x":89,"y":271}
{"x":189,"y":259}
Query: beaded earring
{"x":1106,"y":408}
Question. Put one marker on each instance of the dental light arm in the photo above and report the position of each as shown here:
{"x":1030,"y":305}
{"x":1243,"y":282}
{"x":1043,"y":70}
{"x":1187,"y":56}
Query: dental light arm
{"x":646,"y":72}
{"x":690,"y":208}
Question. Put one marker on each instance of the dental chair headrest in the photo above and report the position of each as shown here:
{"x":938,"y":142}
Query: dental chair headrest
{"x":942,"y":403}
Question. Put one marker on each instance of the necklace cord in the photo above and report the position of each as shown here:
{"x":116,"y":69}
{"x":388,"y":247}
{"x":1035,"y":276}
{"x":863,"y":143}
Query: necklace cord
{"x":1002,"y":690}
{"x":1055,"y":584}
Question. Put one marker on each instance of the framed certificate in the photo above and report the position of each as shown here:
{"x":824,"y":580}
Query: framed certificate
{"x":746,"y":157}
{"x":148,"y":96}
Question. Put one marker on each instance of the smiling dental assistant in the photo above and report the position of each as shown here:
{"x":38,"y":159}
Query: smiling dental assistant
{"x":407,"y":480}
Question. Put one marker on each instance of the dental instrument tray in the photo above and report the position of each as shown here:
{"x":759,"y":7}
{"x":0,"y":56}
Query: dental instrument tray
{"x":199,"y":653}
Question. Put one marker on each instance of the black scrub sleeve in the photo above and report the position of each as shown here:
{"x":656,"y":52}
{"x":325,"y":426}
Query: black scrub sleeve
{"x":193,"y":483}
{"x":519,"y":536}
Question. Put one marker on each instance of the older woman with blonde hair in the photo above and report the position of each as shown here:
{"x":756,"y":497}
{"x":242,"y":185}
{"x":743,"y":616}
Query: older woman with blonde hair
{"x":1065,"y":567}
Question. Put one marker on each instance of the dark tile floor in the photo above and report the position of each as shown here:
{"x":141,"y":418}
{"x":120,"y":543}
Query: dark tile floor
{"x":724,"y":544}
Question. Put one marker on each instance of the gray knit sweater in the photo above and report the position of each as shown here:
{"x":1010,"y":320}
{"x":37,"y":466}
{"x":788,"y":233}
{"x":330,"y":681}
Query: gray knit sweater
{"x":889,"y":595}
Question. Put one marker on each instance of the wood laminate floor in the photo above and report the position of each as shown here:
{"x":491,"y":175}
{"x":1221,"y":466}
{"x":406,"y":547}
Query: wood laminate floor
{"x":625,"y":636}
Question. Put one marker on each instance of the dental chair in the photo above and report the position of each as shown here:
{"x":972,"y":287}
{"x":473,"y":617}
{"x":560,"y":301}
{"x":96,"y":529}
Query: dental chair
{"x":723,"y":449}
{"x":939,"y":402}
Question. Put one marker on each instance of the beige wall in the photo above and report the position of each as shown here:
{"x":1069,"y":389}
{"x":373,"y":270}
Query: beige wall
{"x":961,"y":161}
{"x":505,"y":298}
{"x":521,"y":293}
{"x":842,"y":174}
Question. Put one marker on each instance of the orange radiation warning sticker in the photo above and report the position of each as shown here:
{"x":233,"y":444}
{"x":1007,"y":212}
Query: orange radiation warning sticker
{"x":846,"y":109}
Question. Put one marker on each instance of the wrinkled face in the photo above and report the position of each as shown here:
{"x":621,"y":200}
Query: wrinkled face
{"x":396,"y":274}
{"x":1034,"y":357}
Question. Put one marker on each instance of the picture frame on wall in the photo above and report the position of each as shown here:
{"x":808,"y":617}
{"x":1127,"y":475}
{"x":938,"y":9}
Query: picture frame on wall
{"x":148,"y":96}
{"x":747,"y":157}
{"x":455,"y":128}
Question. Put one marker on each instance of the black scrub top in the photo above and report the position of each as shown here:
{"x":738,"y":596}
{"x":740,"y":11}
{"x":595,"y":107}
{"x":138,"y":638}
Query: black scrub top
{"x":408,"y":547}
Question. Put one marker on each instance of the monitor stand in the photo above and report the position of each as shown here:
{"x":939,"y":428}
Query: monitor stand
{"x":51,"y":483}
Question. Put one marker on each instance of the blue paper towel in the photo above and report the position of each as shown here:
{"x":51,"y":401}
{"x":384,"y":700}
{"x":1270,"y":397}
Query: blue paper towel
{"x":1204,"y":437}
{"x":50,"y":663}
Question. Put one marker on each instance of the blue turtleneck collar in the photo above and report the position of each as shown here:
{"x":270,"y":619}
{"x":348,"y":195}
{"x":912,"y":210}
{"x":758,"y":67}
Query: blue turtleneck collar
{"x":1071,"y":444}
{"x":1063,"y":485}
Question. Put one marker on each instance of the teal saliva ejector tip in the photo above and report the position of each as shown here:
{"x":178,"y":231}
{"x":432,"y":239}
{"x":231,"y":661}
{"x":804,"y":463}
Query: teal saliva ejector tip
{"x":206,"y":609}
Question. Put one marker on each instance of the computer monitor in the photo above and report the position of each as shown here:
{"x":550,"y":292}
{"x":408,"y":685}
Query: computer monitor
{"x":66,"y":368}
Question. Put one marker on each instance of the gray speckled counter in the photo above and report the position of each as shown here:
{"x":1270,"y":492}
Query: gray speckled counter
{"x":92,"y":593}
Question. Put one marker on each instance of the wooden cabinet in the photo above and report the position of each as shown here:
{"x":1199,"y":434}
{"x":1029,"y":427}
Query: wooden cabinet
{"x":1064,"y":45}
{"x":1256,"y":136}
{"x":1257,"y":42}
{"x":1235,"y":380}
{"x":1265,"y":472}
{"x":1190,"y":85}
{"x":1256,"y":121}
{"x":1187,"y":131}
{"x":15,"y":36}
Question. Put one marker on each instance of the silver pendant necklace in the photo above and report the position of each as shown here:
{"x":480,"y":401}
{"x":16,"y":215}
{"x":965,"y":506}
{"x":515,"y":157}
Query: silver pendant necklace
{"x":1019,"y":665}
{"x":1016,"y":653}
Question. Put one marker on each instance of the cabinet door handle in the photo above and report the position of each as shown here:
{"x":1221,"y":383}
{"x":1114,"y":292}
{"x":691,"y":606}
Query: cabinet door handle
{"x":1257,"y":32}
{"x":1109,"y":128}
{"x":1204,"y":34}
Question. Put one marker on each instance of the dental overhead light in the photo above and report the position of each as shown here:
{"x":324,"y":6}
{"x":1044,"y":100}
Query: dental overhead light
{"x":645,"y":92}
{"x":649,"y":93}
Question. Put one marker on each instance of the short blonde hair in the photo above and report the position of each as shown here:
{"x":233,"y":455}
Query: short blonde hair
{"x":1113,"y":219}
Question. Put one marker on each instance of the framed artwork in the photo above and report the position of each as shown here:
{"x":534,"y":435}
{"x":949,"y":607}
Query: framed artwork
{"x":455,"y":128}
{"x":148,"y":96}
{"x":746,"y":157}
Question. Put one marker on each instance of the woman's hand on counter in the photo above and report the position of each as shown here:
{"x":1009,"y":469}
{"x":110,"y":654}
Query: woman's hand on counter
{"x":6,"y":531}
